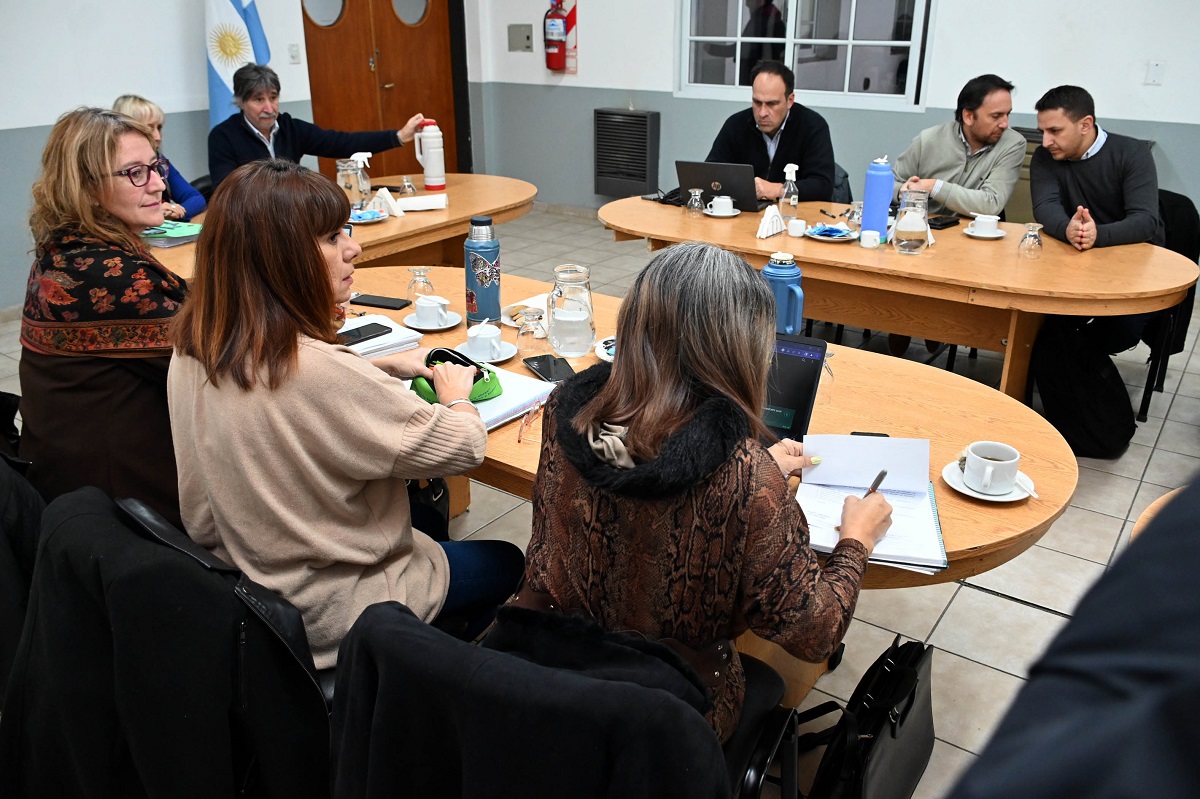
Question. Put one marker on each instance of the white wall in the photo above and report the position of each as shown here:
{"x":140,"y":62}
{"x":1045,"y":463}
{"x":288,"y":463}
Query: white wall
{"x":623,"y":44}
{"x":1102,"y":45}
{"x":60,"y":55}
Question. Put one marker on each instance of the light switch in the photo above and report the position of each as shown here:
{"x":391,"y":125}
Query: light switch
{"x":1154,"y":72}
{"x":520,"y":38}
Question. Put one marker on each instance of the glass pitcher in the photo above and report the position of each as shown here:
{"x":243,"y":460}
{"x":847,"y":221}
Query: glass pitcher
{"x":695,"y":204}
{"x":572,"y":328}
{"x":911,"y":234}
{"x":1030,"y":245}
{"x":354,"y":181}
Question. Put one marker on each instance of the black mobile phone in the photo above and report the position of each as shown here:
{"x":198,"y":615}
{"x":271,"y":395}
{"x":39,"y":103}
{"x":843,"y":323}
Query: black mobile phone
{"x":348,"y":230}
{"x":550,"y":368}
{"x":377,"y":301}
{"x":364,"y":333}
{"x":943,"y":221}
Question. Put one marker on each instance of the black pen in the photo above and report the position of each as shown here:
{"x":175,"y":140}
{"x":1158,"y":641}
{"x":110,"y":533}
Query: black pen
{"x":831,"y":216}
{"x":875,"y":485}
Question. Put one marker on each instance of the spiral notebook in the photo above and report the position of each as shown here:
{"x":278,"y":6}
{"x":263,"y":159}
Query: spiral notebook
{"x":849,"y":465}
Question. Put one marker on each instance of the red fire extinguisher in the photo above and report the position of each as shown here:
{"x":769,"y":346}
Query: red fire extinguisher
{"x":556,"y":37}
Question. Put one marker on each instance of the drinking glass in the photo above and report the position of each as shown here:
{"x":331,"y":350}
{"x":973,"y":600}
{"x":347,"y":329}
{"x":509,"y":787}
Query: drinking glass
{"x":572,"y":328}
{"x":532,"y":338}
{"x":1031,"y":243}
{"x":420,"y":283}
{"x":695,"y":204}
{"x":854,"y":215}
{"x":407,"y":187}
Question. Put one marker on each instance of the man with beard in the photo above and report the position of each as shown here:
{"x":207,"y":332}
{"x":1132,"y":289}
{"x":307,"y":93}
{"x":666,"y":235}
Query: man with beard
{"x":970,"y":165}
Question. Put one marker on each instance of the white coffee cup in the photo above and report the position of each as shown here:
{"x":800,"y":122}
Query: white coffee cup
{"x":984,"y":225}
{"x":868,"y":239}
{"x":483,"y":342}
{"x":431,"y":310}
{"x":721,"y":205}
{"x":796,"y":227}
{"x":991,"y":467}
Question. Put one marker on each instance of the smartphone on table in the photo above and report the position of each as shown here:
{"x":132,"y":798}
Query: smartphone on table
{"x":550,"y":368}
{"x":364,"y":333}
{"x":943,"y":221}
{"x":379,"y":301}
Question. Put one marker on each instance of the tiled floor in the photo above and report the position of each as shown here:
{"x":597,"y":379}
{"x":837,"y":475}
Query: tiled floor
{"x":987,"y":630}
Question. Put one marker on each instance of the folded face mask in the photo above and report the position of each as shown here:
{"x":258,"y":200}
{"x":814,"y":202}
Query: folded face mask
{"x":487,"y":382}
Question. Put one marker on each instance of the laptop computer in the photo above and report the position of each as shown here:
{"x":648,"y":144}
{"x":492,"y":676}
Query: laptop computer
{"x":734,"y":180}
{"x":792,"y":384}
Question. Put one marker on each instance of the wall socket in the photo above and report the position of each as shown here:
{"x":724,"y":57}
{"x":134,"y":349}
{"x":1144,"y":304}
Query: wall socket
{"x":520,"y":38}
{"x":294,"y":53}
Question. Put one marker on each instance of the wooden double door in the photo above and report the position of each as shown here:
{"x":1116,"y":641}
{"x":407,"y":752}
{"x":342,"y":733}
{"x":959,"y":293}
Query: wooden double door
{"x":371,"y":70}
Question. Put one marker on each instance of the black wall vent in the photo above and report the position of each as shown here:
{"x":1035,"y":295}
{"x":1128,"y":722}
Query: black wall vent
{"x":626,"y":152}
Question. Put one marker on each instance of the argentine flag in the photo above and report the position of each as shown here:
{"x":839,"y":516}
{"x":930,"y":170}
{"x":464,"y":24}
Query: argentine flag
{"x":234,"y":36}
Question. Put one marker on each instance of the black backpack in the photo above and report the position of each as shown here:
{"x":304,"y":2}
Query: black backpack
{"x":1082,"y":392}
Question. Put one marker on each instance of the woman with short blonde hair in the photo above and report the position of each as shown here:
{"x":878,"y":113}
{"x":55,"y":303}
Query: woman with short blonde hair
{"x":181,"y":201}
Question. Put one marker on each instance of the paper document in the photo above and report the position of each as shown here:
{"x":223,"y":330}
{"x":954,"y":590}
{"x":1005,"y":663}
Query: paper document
{"x":848,"y":466}
{"x":520,"y":394}
{"x":399,"y":339}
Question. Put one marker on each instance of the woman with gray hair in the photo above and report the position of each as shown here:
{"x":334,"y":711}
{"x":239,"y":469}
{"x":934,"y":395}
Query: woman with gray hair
{"x":657,"y":507}
{"x":258,"y":130}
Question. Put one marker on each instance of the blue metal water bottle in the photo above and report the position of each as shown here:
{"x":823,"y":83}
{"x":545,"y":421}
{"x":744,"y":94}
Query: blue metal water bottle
{"x":877,"y":196}
{"x":783,"y":276}
{"x":482,"y":255}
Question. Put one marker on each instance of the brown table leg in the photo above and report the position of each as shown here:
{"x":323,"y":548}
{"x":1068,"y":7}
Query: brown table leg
{"x":1022,"y":331}
{"x":797,"y":674}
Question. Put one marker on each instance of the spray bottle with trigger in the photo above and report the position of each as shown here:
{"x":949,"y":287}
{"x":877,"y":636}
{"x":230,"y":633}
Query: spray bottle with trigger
{"x":789,"y":198}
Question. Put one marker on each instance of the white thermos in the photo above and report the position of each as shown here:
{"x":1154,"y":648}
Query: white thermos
{"x":431,"y":155}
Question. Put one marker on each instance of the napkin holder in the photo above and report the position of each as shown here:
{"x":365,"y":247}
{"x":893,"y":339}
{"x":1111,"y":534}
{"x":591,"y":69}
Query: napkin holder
{"x":772,"y":223}
{"x":385,"y":203}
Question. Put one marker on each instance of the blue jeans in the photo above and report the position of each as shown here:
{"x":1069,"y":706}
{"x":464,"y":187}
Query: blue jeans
{"x":482,"y":575}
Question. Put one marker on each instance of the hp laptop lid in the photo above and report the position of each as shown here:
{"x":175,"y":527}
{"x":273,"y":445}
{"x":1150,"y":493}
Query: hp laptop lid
{"x":792,"y":385}
{"x":735,"y":180}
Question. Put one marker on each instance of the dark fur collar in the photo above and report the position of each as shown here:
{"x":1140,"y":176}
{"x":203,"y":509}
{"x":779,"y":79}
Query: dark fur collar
{"x":687,"y":457}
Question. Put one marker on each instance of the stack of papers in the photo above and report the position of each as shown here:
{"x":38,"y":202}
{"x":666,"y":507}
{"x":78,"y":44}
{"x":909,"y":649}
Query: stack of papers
{"x":171,"y":234}
{"x":848,"y":466}
{"x":521,"y":393}
{"x":398,"y":340}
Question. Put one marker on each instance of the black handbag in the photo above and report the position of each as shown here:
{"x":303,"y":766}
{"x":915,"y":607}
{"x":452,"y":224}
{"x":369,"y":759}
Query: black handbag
{"x":429,"y":506}
{"x":880,"y":746}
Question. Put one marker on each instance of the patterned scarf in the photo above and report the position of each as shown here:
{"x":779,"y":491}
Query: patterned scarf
{"x":92,"y":297}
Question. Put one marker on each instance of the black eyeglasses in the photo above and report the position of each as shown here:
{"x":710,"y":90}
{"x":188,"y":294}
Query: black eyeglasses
{"x":139,"y":175}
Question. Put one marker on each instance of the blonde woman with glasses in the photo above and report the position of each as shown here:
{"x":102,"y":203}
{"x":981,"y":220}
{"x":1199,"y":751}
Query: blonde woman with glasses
{"x":94,"y":332}
{"x":180,"y":200}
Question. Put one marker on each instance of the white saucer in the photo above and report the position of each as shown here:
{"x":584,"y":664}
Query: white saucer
{"x":538,"y":301}
{"x":507,"y":350}
{"x":834,"y":239}
{"x":452,"y":319}
{"x":715,"y":215}
{"x":602,"y":346}
{"x":999,"y":234}
{"x":354,"y":221}
{"x":954,"y":478}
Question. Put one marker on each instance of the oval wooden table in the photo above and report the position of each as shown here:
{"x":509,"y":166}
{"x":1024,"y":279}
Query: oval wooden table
{"x":868,"y":392}
{"x":1152,"y":510}
{"x":961,"y":290}
{"x":418,"y":237}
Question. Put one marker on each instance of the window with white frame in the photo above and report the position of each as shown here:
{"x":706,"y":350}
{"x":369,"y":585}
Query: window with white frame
{"x":864,"y":53}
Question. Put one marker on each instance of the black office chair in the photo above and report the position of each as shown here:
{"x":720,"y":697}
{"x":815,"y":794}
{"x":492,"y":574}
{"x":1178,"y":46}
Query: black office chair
{"x":204,"y":185}
{"x":1166,"y":331}
{"x":148,"y":667}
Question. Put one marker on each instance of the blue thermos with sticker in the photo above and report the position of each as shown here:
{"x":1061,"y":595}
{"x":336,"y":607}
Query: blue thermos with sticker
{"x":482,"y":256}
{"x":877,"y":197}
{"x":783,"y":276}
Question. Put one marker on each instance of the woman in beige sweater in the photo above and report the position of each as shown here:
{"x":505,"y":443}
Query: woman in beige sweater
{"x":293,"y":450}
